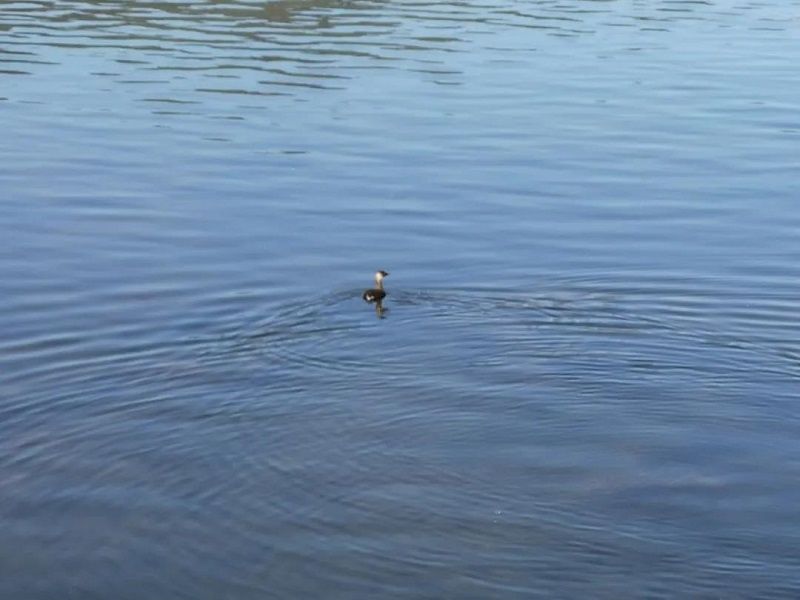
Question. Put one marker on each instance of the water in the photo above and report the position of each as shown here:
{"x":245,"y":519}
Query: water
{"x":585,"y":381}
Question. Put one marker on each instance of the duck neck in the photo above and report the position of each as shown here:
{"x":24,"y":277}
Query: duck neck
{"x":379,"y":283}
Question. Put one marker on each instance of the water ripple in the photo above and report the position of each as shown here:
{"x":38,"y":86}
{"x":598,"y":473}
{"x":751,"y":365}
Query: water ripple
{"x":318,"y":39}
{"x":584,"y":381}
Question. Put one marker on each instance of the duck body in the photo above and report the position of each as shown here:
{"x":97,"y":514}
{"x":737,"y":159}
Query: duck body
{"x":377,"y":293}
{"x":373,"y":295}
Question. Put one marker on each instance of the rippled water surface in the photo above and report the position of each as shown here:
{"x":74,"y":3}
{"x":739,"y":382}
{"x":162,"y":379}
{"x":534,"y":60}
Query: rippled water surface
{"x":585,"y":379}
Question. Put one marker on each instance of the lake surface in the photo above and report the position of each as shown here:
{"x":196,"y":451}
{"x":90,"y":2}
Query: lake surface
{"x":585,"y":380}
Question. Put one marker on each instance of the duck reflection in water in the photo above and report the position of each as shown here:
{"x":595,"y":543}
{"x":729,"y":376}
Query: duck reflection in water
{"x":380,"y":311}
{"x":377,"y":294}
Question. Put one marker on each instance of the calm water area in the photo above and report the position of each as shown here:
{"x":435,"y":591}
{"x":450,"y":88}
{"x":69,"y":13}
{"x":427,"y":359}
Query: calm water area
{"x":585,"y":380}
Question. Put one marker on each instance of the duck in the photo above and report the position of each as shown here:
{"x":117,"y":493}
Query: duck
{"x":377,"y":293}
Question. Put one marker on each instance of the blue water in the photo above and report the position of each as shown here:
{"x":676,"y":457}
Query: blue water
{"x":584,"y":382}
